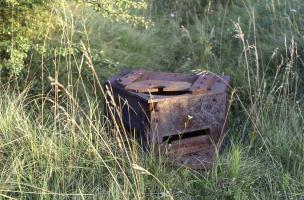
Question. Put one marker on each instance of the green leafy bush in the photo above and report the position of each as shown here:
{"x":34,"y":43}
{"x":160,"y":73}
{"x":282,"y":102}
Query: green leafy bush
{"x":129,"y":11}
{"x":22,"y":22}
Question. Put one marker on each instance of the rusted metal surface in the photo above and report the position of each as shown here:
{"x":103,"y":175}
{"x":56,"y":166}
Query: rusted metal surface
{"x":183,"y":115}
{"x":146,"y":86}
{"x":130,"y":77}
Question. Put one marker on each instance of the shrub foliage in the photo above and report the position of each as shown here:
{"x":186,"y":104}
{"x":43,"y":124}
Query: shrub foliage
{"x":26,"y":22}
{"x":22,"y":23}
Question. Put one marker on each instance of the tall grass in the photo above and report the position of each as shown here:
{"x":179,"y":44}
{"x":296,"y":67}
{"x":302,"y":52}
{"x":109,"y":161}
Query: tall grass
{"x":57,"y":144}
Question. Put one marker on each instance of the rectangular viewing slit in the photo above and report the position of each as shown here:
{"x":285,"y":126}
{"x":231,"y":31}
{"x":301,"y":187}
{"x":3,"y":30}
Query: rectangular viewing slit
{"x":171,"y":138}
{"x":167,"y":93}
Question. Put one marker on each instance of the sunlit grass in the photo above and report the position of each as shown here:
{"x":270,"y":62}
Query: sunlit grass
{"x":57,"y":144}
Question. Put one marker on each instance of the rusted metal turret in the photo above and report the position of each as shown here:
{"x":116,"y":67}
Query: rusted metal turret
{"x":182,"y":115}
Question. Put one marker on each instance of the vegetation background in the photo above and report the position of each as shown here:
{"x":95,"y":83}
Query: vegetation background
{"x":54,"y":56}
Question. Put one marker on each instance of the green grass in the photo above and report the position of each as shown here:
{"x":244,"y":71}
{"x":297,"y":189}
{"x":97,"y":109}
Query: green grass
{"x":54,"y":145}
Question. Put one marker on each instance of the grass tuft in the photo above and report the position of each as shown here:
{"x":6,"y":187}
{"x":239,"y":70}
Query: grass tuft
{"x":55,"y":142}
